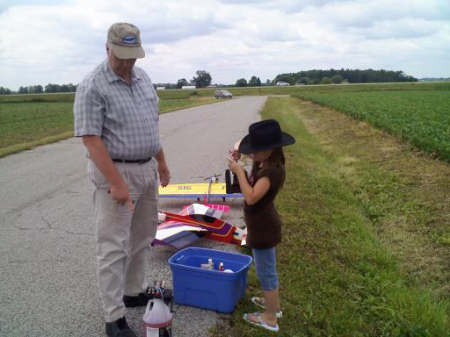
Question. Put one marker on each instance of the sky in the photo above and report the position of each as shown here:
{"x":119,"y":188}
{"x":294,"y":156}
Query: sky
{"x":56,"y":41}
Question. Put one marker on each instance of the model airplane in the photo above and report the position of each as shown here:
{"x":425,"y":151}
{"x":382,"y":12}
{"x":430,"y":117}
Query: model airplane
{"x":194,"y":222}
{"x":212,"y":188}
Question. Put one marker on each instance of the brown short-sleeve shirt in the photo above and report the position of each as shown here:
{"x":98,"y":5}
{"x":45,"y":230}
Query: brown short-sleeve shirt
{"x":262,"y":219}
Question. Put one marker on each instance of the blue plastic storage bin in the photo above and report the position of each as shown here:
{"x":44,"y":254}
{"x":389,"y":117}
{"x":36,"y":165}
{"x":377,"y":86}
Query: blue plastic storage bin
{"x":209,"y":289}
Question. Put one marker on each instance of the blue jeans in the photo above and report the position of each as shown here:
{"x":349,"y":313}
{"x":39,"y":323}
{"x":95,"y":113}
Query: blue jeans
{"x":266,"y":268}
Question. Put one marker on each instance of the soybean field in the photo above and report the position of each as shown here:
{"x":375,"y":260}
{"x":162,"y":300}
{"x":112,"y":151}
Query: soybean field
{"x":419,"y":116}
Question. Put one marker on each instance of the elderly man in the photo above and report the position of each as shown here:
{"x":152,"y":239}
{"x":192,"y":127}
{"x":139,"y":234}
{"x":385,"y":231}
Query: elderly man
{"x":116,"y":114}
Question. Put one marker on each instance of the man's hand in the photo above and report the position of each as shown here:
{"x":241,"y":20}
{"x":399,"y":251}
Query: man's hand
{"x":164,"y":173}
{"x":121,"y":194}
{"x":163,"y":169}
{"x":101,"y":158}
{"x":235,"y":152}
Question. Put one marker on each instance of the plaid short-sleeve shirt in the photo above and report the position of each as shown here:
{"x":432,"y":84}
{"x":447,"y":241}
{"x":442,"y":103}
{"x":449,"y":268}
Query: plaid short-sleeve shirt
{"x":124,"y":116}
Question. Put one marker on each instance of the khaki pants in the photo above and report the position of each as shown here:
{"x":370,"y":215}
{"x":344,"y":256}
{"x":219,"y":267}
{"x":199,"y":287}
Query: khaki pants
{"x":123,"y":237}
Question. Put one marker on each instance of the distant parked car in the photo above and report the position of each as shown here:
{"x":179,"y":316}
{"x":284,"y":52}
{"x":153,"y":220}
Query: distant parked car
{"x":223,"y":94}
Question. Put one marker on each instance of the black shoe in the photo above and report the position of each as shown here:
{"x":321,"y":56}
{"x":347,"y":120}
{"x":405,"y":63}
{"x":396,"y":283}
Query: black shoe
{"x":119,"y":328}
{"x":136,"y":301}
{"x":143,"y":298}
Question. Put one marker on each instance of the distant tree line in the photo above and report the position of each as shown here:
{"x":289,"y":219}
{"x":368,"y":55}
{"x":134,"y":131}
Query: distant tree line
{"x":39,"y":89}
{"x":60,"y":88}
{"x":253,"y":82}
{"x":5,"y":91}
{"x":337,"y":76}
{"x":203,"y":80}
{"x":32,"y":89}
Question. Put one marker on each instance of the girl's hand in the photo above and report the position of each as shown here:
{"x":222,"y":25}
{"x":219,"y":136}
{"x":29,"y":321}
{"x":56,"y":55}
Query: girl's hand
{"x":233,"y":165}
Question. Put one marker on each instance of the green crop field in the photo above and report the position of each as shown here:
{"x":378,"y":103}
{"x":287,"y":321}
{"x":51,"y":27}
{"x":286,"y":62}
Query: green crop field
{"x":27,"y":121}
{"x":419,"y":116}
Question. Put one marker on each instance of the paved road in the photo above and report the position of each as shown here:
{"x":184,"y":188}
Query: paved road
{"x":48,"y":284}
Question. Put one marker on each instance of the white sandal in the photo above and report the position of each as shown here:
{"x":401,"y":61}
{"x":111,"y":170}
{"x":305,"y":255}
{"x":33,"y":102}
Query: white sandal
{"x":261,"y":323}
{"x":259,"y":301}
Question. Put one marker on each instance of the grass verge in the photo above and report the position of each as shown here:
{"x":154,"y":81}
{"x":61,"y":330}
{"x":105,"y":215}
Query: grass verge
{"x":31,"y":145}
{"x":338,"y":277}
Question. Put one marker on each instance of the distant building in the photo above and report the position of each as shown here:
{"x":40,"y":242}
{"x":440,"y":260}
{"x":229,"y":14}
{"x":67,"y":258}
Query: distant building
{"x":282,"y":84}
{"x":187,"y":87}
{"x":160,"y":88}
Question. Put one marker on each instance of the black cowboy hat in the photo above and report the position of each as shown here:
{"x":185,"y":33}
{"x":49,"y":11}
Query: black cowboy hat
{"x":264,"y":135}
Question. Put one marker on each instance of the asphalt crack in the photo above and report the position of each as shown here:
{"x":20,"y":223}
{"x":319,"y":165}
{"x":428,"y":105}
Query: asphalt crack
{"x":50,"y":226}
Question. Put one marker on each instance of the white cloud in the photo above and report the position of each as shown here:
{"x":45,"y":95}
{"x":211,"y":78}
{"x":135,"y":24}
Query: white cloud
{"x":60,"y":42}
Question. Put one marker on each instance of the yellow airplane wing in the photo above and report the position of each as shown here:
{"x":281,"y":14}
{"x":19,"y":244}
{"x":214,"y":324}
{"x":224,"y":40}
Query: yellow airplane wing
{"x":193,"y":190}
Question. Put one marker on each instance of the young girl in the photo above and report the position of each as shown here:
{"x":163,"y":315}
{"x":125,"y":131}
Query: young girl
{"x":264,"y":145}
